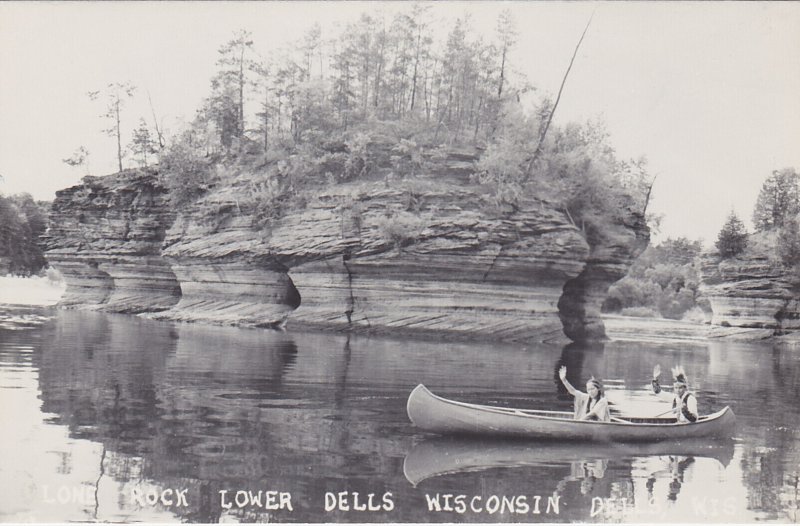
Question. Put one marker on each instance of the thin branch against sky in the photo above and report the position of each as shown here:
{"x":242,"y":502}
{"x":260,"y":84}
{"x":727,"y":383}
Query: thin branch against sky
{"x":706,"y":91}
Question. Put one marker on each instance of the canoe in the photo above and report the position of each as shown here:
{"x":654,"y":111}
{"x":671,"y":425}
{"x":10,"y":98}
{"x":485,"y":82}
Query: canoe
{"x":441,"y":455}
{"x":435,"y":414}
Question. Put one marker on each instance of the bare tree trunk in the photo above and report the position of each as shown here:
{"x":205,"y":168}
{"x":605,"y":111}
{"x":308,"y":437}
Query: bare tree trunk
{"x":555,"y":105}
{"x":647,"y":196}
{"x":379,"y":69}
{"x":159,"y":133}
{"x":280,"y":123}
{"x":240,"y":130}
{"x":477,"y":119}
{"x":447,"y":111}
{"x":119,"y":133}
{"x":266,"y":121}
{"x":502,"y":72}
{"x":414,"y":79}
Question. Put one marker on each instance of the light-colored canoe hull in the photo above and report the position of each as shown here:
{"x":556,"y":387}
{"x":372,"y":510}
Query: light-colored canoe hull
{"x":438,"y":415}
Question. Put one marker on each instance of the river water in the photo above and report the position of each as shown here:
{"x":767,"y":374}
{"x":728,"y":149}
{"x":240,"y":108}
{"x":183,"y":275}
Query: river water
{"x":117,"y":418}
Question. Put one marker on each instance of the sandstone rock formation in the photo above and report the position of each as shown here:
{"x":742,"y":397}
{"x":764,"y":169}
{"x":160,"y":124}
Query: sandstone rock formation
{"x":445,"y":268}
{"x":226,"y":272}
{"x":424,"y":255}
{"x":751,"y":291}
{"x":611,"y":255}
{"x":105,"y":237}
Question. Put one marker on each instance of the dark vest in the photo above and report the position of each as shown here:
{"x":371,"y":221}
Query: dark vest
{"x":685,"y":407}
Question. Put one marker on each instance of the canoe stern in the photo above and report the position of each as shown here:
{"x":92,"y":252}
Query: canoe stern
{"x":435,"y":414}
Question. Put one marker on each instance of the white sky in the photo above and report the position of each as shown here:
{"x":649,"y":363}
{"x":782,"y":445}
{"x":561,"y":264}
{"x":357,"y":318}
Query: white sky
{"x":708,"y":92}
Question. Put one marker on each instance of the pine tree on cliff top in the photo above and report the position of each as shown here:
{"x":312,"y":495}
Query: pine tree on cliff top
{"x":778,"y":201}
{"x":732,"y":239}
{"x":116,"y":94}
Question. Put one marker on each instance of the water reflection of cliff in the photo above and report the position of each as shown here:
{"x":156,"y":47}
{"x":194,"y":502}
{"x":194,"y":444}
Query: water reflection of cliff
{"x":771,"y":453}
{"x":211,"y":409}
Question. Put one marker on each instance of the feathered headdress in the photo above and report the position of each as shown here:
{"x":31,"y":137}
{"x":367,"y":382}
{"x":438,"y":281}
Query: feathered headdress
{"x":680,"y":375}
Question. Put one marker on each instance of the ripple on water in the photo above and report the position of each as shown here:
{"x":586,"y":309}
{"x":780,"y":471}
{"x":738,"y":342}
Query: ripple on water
{"x":16,"y":321}
{"x":229,"y":409}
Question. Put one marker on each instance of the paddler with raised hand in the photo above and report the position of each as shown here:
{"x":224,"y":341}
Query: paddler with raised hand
{"x":592,"y":405}
{"x":684,"y":403}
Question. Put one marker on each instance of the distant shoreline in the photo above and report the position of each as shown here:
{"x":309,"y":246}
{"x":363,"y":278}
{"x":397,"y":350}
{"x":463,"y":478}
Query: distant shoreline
{"x":634,"y":329}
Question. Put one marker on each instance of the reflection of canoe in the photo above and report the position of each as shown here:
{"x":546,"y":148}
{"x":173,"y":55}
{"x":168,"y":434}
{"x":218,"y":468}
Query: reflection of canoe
{"x":446,"y":455}
{"x":439,"y":415}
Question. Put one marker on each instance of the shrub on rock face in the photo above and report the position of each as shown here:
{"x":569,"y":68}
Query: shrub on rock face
{"x":185,"y":172}
{"x":732,"y":239}
{"x":54,"y":276}
{"x":401,"y":228}
{"x":788,"y":243}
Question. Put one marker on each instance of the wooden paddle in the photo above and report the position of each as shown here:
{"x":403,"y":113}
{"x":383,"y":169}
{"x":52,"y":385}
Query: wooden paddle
{"x":664,"y":413}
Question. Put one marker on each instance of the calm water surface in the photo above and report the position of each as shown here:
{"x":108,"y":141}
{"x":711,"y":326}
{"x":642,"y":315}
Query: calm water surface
{"x":101,"y":412}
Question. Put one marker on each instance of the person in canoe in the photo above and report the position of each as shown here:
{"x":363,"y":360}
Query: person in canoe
{"x":684,"y":403}
{"x":591,"y":405}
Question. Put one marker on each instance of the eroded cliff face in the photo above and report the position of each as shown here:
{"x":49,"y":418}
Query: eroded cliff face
{"x":227,"y":274}
{"x":751,"y":291}
{"x":459,"y":271}
{"x":105,"y":237}
{"x":421,"y":255}
{"x":612,"y":251}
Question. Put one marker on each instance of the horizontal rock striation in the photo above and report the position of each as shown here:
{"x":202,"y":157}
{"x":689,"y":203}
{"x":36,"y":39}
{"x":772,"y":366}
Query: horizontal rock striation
{"x":426,"y":255}
{"x":232,"y":292}
{"x":446,"y":267}
{"x":751,"y":291}
{"x":225,"y":269}
{"x":105,"y":237}
{"x":87,"y":285}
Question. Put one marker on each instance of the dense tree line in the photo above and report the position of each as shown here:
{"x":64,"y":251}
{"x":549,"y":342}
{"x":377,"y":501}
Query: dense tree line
{"x":778,"y":201}
{"x":663,"y":282}
{"x":375,"y":70}
{"x":276,"y":126}
{"x":775,"y":218}
{"x":310,"y":114}
{"x":22,"y":223}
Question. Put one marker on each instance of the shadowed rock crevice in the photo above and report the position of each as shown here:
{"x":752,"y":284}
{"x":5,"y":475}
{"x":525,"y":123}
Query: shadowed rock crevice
{"x":141,"y":284}
{"x":428,"y":256}
{"x":612,"y":251}
{"x":351,"y":299}
{"x":87,"y":285}
{"x":232,"y":292}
